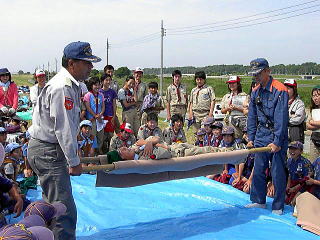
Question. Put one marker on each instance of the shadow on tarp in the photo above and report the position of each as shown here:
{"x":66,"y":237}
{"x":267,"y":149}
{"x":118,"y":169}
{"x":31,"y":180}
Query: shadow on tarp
{"x":181,"y":227}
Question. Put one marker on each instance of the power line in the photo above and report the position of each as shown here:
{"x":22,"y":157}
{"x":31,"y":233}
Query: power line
{"x":237,"y":23}
{"x":248,"y":25}
{"x":134,"y":44}
{"x":146,"y":37}
{"x":234,"y":19}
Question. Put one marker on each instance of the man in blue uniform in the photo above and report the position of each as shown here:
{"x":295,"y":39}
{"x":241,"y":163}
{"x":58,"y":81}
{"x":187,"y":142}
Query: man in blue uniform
{"x":268,"y":126}
{"x":53,"y":148}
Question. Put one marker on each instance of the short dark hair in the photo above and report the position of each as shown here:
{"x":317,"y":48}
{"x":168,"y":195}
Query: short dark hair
{"x":200,"y":74}
{"x":239,"y":87}
{"x":176,"y":72}
{"x":175,"y":118}
{"x":153,"y":85}
{"x":92,"y":81}
{"x":108,"y":67}
{"x":104,"y":76}
{"x":152,"y":116}
{"x":129,"y":77}
{"x":65,"y":61}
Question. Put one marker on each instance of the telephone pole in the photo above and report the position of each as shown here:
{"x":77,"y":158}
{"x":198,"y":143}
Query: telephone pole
{"x":48,"y":70}
{"x":161,"y":69}
{"x":56,"y":65}
{"x":108,"y":51}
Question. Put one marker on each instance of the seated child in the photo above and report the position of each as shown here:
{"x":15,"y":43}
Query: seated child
{"x":24,"y":141}
{"x":125,"y":138}
{"x":244,"y":179}
{"x":314,"y":182}
{"x":230,"y":171}
{"x":207,"y":122}
{"x":152,"y":102}
{"x":150,"y":128}
{"x":3,"y":136}
{"x":11,"y":163}
{"x":200,"y":137}
{"x":175,"y":133}
{"x":300,"y":169}
{"x":216,"y":134}
{"x":87,"y":142}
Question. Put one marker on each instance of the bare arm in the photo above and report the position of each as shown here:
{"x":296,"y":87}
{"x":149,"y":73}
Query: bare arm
{"x":212,"y":108}
{"x":19,"y":202}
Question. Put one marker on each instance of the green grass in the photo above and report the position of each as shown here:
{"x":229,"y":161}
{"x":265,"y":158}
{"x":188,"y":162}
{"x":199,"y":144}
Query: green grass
{"x":22,"y":79}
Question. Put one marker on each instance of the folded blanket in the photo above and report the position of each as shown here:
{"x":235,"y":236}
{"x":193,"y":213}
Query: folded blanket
{"x":308,"y":208}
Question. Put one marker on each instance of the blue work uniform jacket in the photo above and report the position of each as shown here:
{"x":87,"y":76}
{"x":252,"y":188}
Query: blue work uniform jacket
{"x":268,"y":115}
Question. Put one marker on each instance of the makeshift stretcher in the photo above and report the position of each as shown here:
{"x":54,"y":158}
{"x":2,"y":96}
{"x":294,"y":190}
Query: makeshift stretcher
{"x":131,"y":173}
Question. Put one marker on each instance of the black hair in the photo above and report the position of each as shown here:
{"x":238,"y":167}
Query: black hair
{"x":313,"y":105}
{"x":176,"y":72}
{"x":253,"y":84}
{"x":65,"y":61}
{"x":108,"y":67}
{"x":92,"y":81}
{"x":200,"y":74}
{"x":7,"y":74}
{"x":295,"y":90}
{"x":104,"y":76}
{"x":175,"y":118}
{"x":129,"y":77}
{"x":152,"y":116}
{"x":153,"y":85}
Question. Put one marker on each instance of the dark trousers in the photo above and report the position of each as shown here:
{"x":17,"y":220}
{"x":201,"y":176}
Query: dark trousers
{"x":259,"y":182}
{"x":49,"y":163}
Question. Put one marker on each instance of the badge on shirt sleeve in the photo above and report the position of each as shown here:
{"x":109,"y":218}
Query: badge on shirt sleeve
{"x":68,"y":103}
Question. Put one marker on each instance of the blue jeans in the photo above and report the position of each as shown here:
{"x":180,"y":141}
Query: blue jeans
{"x":49,"y":163}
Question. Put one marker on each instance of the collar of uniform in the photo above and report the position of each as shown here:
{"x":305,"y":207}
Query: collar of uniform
{"x":269,"y":86}
{"x":203,"y":86}
{"x":68,"y":75}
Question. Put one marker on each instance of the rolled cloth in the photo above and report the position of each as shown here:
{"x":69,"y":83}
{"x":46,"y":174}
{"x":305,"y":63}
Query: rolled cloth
{"x":134,"y":179}
{"x":179,"y":164}
{"x":308,"y":208}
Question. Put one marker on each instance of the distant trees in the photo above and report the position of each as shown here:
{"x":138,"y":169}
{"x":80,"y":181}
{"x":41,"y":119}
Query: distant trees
{"x":217,"y":70}
{"x":20,"y":72}
{"x":122,"y":72}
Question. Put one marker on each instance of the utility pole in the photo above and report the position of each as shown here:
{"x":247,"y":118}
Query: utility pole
{"x":161,"y":69}
{"x":48,"y":70}
{"x":108,"y":51}
{"x":56,"y":65}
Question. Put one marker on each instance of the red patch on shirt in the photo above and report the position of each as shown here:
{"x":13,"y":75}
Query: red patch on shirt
{"x":68,"y":103}
{"x":153,"y":156}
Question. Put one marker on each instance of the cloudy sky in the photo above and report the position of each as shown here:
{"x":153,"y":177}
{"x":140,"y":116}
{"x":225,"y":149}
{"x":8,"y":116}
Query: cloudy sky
{"x":34,"y":32}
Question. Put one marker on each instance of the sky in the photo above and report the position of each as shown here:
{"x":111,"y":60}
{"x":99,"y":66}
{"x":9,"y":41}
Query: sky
{"x":35,"y":32}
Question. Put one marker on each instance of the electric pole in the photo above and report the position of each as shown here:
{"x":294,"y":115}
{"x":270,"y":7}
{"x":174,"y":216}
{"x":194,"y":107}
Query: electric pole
{"x":56,"y":65}
{"x":48,"y":70}
{"x":107,"y":51}
{"x":161,"y":69}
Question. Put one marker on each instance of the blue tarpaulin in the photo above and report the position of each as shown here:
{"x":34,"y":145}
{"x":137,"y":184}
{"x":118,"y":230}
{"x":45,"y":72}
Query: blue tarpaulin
{"x":196,"y":208}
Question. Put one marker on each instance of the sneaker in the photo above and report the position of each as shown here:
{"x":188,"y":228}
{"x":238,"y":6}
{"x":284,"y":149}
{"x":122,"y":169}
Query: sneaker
{"x":278,"y":212}
{"x":256,"y":205}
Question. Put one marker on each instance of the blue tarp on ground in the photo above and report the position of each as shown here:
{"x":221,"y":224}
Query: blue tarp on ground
{"x":196,"y":208}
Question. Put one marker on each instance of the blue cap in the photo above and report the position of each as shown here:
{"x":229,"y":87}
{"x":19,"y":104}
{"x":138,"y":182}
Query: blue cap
{"x":227,"y":131}
{"x":217,"y":124}
{"x":3,"y":130}
{"x":296,"y":144}
{"x":28,"y":136}
{"x":80,"y":50}
{"x":11,"y":146}
{"x":258,"y":65}
{"x":86,"y":123}
{"x":4,"y":71}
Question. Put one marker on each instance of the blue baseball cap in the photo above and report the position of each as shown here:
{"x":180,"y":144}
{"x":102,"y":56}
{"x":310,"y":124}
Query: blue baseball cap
{"x":217,"y":124}
{"x":86,"y":123}
{"x":227,"y":131}
{"x":4,"y":71}
{"x":21,"y":232}
{"x":296,"y":144}
{"x":3,"y":130}
{"x":258,"y":65}
{"x":11,"y":146}
{"x":81,"y":51}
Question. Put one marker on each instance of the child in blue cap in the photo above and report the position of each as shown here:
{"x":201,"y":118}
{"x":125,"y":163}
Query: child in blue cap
{"x":11,"y":161}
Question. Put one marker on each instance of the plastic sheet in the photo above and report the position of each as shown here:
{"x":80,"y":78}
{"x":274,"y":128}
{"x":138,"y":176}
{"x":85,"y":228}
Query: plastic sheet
{"x":196,"y":208}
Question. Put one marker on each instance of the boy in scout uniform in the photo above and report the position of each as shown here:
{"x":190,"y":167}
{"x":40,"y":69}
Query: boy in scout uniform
{"x":150,"y":128}
{"x":176,"y":96}
{"x":175,"y":133}
{"x":152,"y":149}
{"x":125,"y":138}
{"x":152,"y":102}
{"x":202,"y":100}
{"x":140,"y":90}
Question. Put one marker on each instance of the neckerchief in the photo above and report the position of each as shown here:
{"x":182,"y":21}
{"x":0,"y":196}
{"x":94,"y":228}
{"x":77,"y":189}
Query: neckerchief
{"x":149,"y":101}
{"x":178,"y":92}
